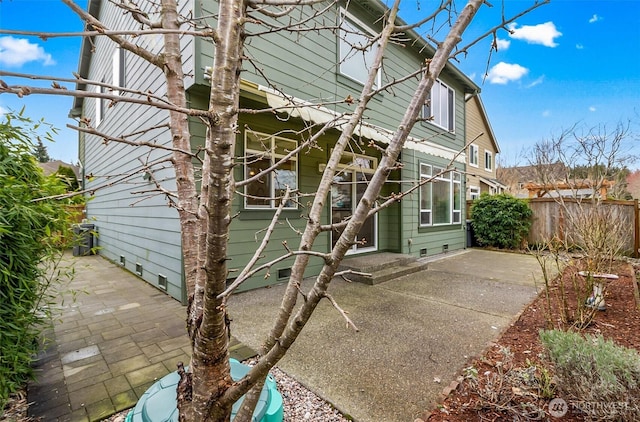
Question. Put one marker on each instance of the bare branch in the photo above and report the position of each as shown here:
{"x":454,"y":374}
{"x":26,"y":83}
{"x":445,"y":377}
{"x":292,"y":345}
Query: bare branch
{"x":342,"y":312}
{"x":260,"y":249}
{"x":156,"y":31}
{"x":122,"y":140}
{"x":99,"y":26}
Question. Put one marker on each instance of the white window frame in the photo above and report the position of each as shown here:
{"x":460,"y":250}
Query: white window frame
{"x":455,"y":187}
{"x":441,"y":111}
{"x":474,"y":155}
{"x":273,"y":156}
{"x":474,"y":192}
{"x":118,"y":69}
{"x":99,"y":106}
{"x":358,"y":163}
{"x":351,"y":58}
{"x":488,"y":161}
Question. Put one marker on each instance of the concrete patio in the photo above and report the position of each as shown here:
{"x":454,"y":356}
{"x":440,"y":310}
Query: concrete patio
{"x":416,"y":333}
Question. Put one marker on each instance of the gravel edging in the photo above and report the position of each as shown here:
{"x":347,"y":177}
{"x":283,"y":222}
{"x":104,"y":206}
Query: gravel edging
{"x":300,"y":403}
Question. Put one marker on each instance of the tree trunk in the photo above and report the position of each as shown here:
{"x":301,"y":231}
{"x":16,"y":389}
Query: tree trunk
{"x":210,"y":360}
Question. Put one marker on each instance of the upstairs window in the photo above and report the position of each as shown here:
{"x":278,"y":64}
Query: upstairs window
{"x":473,"y":155}
{"x":118,"y":71}
{"x":261,"y":152}
{"x":99,"y":105}
{"x":440,"y":106}
{"x":488,"y":161}
{"x":441,"y":198}
{"x":357,"y":49}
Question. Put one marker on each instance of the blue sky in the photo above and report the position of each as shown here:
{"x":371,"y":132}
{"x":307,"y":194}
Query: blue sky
{"x":568,"y":62}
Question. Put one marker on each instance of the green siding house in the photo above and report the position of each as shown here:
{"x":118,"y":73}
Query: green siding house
{"x":139,"y":228}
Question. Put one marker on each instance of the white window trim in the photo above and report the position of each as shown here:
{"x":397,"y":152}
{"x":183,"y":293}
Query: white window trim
{"x":474,"y":192}
{"x":429,"y":119}
{"x":352,"y":20}
{"x":98,"y":105}
{"x":118,"y":71}
{"x":275,"y":157}
{"x":488,"y":167}
{"x":453,"y":177}
{"x":353,"y":168}
{"x":474,"y":148}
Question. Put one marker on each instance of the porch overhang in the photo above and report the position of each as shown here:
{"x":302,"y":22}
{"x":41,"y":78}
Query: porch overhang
{"x":321,"y":115}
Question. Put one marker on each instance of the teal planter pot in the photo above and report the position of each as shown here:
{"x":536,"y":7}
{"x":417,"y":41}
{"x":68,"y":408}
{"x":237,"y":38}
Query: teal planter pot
{"x":159,"y":402}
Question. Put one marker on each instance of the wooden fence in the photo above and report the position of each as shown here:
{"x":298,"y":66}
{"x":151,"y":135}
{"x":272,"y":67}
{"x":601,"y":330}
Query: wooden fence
{"x":551,"y":219}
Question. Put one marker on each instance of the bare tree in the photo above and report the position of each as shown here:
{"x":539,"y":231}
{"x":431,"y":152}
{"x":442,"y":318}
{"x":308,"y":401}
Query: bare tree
{"x":204,"y":192}
{"x":581,"y":170}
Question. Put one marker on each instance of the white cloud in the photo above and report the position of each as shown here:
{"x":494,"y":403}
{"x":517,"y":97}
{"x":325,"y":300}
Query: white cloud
{"x":543,"y":34}
{"x":592,"y":109}
{"x":546,"y":113}
{"x":502,"y":73}
{"x":14,"y":52}
{"x":502,"y":44}
{"x":580,"y":46}
{"x":595,"y":18}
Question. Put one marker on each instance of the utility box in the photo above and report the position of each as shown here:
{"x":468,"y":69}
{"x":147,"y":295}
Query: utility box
{"x":83,"y":239}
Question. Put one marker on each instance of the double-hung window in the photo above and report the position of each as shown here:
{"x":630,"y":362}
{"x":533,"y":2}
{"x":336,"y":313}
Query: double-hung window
{"x":440,"y":106}
{"x":473,"y":155}
{"x":488,"y":161}
{"x":440,"y":198}
{"x":262,"y":151}
{"x":358,"y":49}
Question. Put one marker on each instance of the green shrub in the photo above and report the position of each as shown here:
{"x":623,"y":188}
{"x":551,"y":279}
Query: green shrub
{"x":30,"y":232}
{"x":501,"y":221}
{"x":595,"y":372}
{"x":68,"y":177}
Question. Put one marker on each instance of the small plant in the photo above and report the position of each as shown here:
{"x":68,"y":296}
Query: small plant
{"x":595,"y":372}
{"x":501,"y":221}
{"x":512,"y":392}
{"x":568,"y":291}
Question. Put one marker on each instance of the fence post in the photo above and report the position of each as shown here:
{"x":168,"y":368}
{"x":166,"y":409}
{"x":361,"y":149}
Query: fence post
{"x":636,"y":225}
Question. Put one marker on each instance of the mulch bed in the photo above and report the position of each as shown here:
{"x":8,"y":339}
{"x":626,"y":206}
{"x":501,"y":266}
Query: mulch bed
{"x":619,"y":323}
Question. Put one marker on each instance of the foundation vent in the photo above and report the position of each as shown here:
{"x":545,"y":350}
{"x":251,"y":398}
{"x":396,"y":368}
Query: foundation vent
{"x":139,"y":269}
{"x":284,"y":273}
{"x":162,"y":281}
{"x":423,"y":252}
{"x":123,"y":260}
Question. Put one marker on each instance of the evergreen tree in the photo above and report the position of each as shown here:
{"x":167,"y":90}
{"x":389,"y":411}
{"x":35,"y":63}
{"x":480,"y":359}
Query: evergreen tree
{"x":40,"y":152}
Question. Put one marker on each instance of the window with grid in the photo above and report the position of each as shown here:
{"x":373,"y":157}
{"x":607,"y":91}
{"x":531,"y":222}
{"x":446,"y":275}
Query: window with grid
{"x":441,"y":198}
{"x":262,"y":151}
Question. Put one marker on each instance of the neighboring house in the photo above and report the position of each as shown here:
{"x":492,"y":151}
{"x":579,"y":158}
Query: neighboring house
{"x":482,"y":151}
{"x":517,"y":178}
{"x":51,"y":167}
{"x":138,"y":229}
{"x":549,"y":181}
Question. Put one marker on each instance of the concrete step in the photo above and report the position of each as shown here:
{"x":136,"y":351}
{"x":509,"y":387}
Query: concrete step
{"x":383,"y":269}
